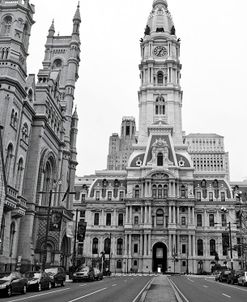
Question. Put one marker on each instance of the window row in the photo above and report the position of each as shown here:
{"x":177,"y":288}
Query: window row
{"x":109,"y":194}
{"x":212,"y":246}
{"x":108,"y":219}
{"x":107,"y":246}
{"x":212,"y":220}
{"x":211,"y":196}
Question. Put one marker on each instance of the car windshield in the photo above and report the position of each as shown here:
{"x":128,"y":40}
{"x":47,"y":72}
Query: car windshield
{"x":84,"y":269}
{"x":33,"y":275}
{"x":52,"y":271}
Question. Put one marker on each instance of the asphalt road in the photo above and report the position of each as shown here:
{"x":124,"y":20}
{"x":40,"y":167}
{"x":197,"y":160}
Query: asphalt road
{"x":196,"y":289}
{"x":115,"y":289}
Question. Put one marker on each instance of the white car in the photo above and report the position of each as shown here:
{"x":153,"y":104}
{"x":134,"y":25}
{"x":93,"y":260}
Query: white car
{"x":242,"y":280}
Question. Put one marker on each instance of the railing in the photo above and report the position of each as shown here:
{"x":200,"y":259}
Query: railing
{"x":12,"y":192}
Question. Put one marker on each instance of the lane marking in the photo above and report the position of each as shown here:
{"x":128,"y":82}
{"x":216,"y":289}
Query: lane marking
{"x":177,"y":290}
{"x":228,"y":285}
{"x":205,"y":286}
{"x":191,"y":280}
{"x":90,"y":294}
{"x":114,"y":284}
{"x":227,"y":296}
{"x":140,"y":293}
{"x":40,"y":295}
{"x":83,"y":285}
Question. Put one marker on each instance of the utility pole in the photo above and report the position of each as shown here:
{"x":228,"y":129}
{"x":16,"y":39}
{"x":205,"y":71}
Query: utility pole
{"x":230,"y":241}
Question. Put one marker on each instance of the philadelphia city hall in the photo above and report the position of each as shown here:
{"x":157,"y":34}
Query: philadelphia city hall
{"x":165,"y":202}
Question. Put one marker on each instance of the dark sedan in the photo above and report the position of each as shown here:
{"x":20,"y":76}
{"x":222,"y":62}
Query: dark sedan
{"x":38,"y":281}
{"x":12,"y":282}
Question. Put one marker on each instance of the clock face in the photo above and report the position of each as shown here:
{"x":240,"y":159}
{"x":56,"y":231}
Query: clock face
{"x":160,"y":51}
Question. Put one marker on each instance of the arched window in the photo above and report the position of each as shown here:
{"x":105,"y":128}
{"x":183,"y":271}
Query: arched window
{"x":95,"y":246}
{"x":6,"y":25}
{"x":199,"y":220}
{"x":30,"y":95}
{"x":9,"y":159}
{"x":107,"y":246}
{"x":119,"y":246}
{"x":160,"y":159}
{"x":212,"y":247}
{"x":160,"y":217}
{"x":25,"y":133}
{"x":160,"y":78}
{"x":15,"y":120}
{"x":48,"y":179}
{"x":200,"y":247}
{"x":160,"y":106}
{"x":57,"y":64}
{"x":165,"y":191}
{"x":25,"y":35}
{"x":50,"y":254}
{"x":20,"y":169}
{"x":160,"y":191}
{"x":12,"y":118}
{"x":11,"y":238}
{"x":211,"y":220}
{"x":154,"y":191}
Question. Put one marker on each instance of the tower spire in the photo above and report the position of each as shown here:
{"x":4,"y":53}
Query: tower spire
{"x":164,"y":2}
{"x":77,"y":15}
{"x":52,"y":29}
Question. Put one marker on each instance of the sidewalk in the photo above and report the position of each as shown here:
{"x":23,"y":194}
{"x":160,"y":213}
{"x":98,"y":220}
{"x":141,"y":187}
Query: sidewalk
{"x":160,"y":290}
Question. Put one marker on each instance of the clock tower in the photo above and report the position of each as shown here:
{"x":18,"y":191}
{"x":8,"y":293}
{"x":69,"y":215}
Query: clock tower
{"x":160,"y":95}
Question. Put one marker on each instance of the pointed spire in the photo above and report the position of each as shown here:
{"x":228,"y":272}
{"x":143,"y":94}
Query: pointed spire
{"x":52,"y":29}
{"x":77,"y":15}
{"x":75,"y":114}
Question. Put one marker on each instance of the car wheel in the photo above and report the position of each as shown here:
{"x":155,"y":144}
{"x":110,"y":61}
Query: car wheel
{"x":39,"y":288}
{"x":62,"y":283}
{"x":49,"y":285}
{"x":9,"y":291}
{"x":24,"y":290}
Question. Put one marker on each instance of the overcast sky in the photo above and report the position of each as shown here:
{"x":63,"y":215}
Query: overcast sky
{"x":213,"y":55}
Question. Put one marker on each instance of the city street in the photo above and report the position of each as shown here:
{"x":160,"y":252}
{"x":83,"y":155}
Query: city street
{"x":117,"y":289}
{"x":196,"y":289}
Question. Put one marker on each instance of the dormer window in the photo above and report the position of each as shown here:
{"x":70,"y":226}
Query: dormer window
{"x":160,"y":159}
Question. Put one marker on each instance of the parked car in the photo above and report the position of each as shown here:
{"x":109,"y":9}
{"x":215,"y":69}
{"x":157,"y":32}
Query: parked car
{"x":98,"y":275}
{"x":242,"y":279}
{"x":85,"y":273}
{"x":217,"y":276}
{"x":233,"y":277}
{"x":12,"y":282}
{"x":57,"y":275}
{"x":38,"y":281}
{"x":224,"y":275}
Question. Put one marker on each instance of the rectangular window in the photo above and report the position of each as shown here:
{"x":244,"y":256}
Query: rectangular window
{"x":127,"y":130}
{"x":96,"y":219}
{"x":83,"y":197}
{"x":109,"y":195}
{"x":135,"y":248}
{"x":183,"y":220}
{"x":199,"y":220}
{"x":223,"y":196}
{"x":184,"y":263}
{"x":108,"y":219}
{"x":136,"y":220}
{"x":199,"y":196}
{"x":183,"y":248}
{"x":223,"y":220}
{"x":211,"y":196}
{"x":225,"y":243}
{"x":97,"y":195}
{"x":211,"y":220}
{"x":120,"y":219}
{"x":121,"y":195}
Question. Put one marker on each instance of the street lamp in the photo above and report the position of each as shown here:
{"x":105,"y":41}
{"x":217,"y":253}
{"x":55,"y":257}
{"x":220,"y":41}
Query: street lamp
{"x":224,"y":210}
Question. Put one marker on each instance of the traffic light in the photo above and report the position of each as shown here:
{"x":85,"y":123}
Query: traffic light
{"x":81,"y":231}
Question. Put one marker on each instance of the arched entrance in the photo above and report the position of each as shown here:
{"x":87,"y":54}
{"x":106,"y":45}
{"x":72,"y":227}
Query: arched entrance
{"x":64,"y":252}
{"x":159,"y":257}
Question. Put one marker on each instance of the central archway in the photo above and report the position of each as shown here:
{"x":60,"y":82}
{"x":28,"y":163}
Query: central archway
{"x":159,"y":257}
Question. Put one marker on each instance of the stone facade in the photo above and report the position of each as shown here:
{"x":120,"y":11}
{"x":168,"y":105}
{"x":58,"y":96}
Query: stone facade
{"x":163,"y":213}
{"x":39,"y":139}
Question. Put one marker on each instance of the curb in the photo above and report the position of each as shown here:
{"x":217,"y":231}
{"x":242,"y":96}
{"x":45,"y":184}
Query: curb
{"x":145,"y":291}
{"x":177,"y":292}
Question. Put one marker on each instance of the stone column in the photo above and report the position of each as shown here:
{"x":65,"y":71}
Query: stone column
{"x":141,"y":245}
{"x":189,"y":216}
{"x":149,"y":244}
{"x":174,"y":214}
{"x":131,"y":213}
{"x":145,"y":244}
{"x":145,"y":214}
{"x":127,"y":215}
{"x":189,"y":247}
{"x":194,"y":244}
{"x":170,"y":215}
{"x":125,"y":244}
{"x":205,"y":219}
{"x":141,"y":215}
{"x":130,"y":245}
{"x":193,"y":216}
{"x":150,"y":215}
{"x":170,"y":245}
